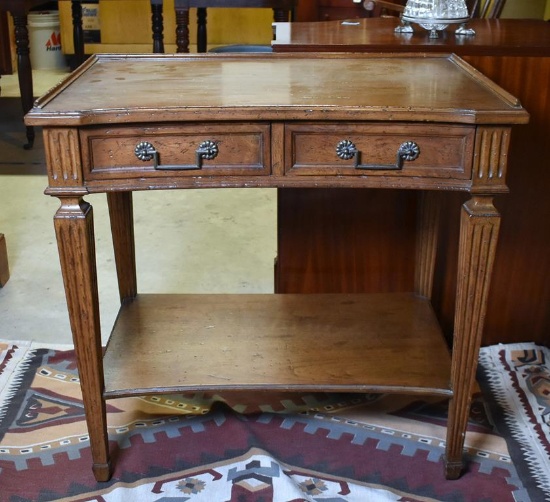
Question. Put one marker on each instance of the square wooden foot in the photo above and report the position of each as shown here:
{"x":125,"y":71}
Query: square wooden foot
{"x":453,"y":470}
{"x":102,"y":472}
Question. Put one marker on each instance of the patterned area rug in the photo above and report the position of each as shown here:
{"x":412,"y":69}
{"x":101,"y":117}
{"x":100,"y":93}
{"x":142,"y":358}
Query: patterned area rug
{"x":346,"y":448}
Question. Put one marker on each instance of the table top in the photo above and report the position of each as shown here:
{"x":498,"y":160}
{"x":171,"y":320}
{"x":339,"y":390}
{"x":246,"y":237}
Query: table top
{"x":160,"y":88}
{"x":510,"y":37}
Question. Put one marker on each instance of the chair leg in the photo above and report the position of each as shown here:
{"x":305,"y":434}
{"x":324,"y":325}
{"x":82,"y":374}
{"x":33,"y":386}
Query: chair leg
{"x":4,"y":269}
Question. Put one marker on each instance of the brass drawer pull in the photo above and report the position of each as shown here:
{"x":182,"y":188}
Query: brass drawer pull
{"x":207,"y":150}
{"x":409,"y":150}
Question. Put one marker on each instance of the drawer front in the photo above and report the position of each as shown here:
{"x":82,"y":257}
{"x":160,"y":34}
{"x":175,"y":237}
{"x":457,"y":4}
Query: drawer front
{"x":441,"y":151}
{"x":224,"y":149}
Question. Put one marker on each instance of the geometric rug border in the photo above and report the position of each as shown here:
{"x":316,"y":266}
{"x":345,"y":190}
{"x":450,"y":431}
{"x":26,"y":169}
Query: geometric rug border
{"x":493,"y":384}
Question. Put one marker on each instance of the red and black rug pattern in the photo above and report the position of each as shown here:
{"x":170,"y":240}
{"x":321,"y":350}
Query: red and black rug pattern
{"x":238,"y":447}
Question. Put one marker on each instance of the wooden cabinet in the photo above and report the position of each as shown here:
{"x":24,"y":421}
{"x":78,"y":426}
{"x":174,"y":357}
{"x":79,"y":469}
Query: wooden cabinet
{"x":408,"y":133}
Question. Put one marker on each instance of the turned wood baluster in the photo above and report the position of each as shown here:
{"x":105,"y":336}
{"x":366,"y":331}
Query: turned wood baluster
{"x":479,"y":226}
{"x":202,"y":37}
{"x":75,"y":239}
{"x":182,"y":28}
{"x":157,"y":24}
{"x":122,"y":230}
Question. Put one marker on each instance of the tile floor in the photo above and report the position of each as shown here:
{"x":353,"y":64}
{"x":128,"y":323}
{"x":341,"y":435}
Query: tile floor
{"x":186,"y":241}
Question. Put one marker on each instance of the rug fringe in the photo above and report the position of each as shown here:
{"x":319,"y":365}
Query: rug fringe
{"x":17,"y":359}
{"x":14,"y":362}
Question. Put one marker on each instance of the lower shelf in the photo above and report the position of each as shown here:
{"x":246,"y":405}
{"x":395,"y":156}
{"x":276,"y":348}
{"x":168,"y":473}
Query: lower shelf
{"x":328,"y":342}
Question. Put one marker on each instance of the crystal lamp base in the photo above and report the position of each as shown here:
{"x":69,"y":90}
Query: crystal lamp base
{"x":434,"y":25}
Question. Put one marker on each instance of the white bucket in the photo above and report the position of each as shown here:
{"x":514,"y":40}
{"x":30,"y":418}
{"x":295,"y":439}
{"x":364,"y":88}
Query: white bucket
{"x":45,"y":41}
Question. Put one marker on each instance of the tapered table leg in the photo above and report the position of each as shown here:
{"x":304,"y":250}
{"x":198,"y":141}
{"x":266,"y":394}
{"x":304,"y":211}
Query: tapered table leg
{"x":75,"y":239}
{"x":479,"y":226}
{"x":122,"y":230}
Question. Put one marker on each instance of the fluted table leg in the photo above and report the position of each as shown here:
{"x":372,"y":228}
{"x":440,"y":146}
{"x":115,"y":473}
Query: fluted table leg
{"x":75,"y":239}
{"x":479,"y":226}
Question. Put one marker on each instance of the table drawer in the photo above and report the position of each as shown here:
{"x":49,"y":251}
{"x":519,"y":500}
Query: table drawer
{"x":350,"y":149}
{"x":223,"y":149}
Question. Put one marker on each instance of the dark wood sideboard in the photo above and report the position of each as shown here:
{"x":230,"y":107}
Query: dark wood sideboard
{"x":516,"y":55}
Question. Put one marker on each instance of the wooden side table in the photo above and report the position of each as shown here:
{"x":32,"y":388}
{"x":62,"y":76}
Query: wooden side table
{"x":429,"y":125}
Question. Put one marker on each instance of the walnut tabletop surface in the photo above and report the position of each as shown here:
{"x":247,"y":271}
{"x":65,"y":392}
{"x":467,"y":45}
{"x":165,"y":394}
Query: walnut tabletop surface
{"x":156,"y":88}
{"x":509,"y":37}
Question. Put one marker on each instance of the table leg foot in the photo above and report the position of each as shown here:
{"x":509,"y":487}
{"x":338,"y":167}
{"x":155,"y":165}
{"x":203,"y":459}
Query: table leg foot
{"x":453,"y":469}
{"x":102,"y":472}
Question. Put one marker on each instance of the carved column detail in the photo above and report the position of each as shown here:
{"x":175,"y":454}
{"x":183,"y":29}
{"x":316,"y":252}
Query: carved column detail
{"x":75,"y":239}
{"x":63,"y":157}
{"x":490,"y":158}
{"x":479,"y":227}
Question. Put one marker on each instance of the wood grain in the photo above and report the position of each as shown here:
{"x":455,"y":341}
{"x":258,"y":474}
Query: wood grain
{"x":356,"y":343}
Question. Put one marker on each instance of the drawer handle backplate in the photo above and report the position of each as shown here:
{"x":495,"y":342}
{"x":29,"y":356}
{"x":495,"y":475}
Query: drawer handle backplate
{"x":409,"y":150}
{"x":208,"y":150}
